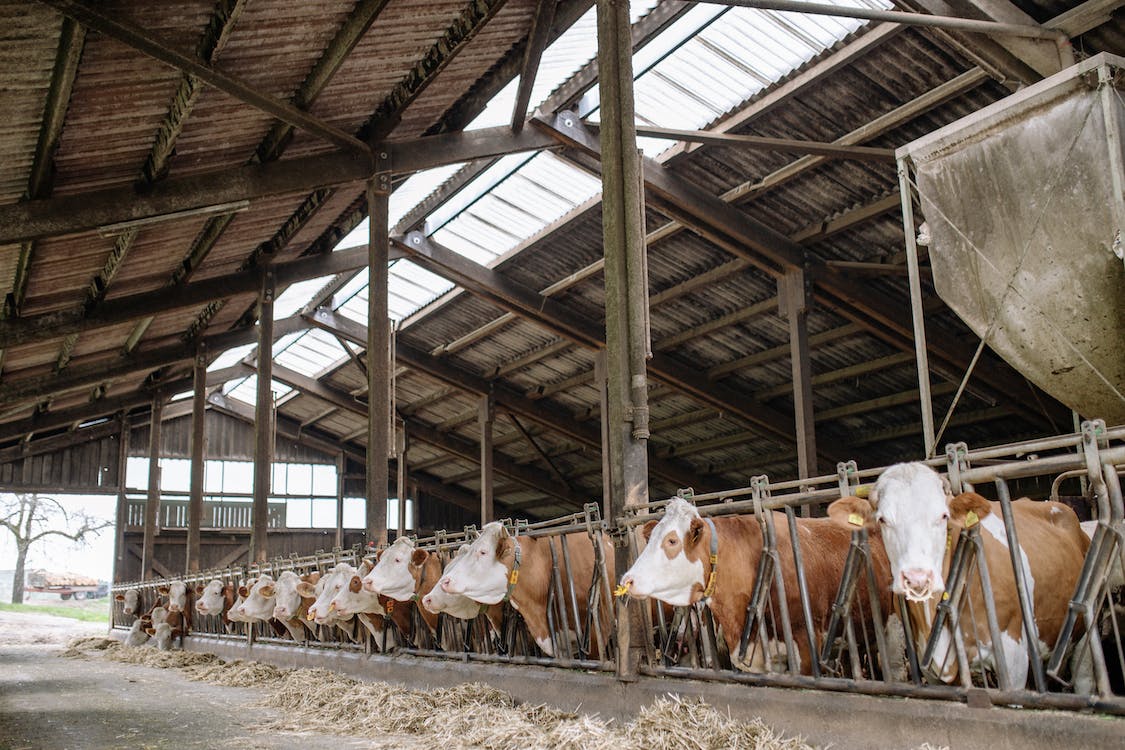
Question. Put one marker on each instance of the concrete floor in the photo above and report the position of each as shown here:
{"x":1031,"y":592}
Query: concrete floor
{"x":61,"y":704}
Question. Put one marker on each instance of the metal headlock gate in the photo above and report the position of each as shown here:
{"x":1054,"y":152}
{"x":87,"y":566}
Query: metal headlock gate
{"x":864,"y":643}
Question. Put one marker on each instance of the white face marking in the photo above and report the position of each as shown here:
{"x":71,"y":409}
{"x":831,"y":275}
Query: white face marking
{"x":233,"y":614}
{"x":481,"y":577}
{"x":259,"y":604}
{"x":286,"y":600}
{"x":912,"y":510}
{"x":545,"y":646}
{"x":662,"y":570}
{"x":132,"y":601}
{"x":211,"y":601}
{"x":158,"y":615}
{"x":326,"y":588}
{"x":348,"y":602}
{"x":391,"y":576}
{"x":177,"y":596}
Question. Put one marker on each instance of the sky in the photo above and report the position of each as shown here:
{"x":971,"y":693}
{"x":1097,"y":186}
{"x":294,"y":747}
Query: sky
{"x":56,"y":554}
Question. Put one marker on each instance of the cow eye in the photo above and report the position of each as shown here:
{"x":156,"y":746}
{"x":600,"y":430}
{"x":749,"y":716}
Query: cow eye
{"x":944,"y":518}
{"x":883,"y":521}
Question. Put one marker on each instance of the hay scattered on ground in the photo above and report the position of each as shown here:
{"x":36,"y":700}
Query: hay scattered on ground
{"x":77,"y":647}
{"x":470,"y":715}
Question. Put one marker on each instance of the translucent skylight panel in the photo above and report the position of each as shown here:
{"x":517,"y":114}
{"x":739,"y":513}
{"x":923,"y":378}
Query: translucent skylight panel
{"x":355,"y":306}
{"x":297,"y":296}
{"x":246,"y":390}
{"x":460,"y":237}
{"x":484,"y":182}
{"x":230,"y":357}
{"x":311,"y":353}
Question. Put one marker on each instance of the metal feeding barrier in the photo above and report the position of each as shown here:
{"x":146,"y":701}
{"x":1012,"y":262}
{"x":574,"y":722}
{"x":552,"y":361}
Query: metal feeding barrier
{"x":799,"y":627}
{"x":866,"y":640}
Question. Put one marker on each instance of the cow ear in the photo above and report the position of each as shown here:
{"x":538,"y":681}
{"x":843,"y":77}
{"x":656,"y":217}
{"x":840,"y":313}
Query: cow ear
{"x":243,"y":592}
{"x":305,"y":589}
{"x":365,"y":567}
{"x":164,"y":590}
{"x":379,"y":555}
{"x":199,"y":591}
{"x":461,"y":550}
{"x":947,"y":487}
{"x":314,"y":577}
{"x":150,"y":631}
{"x":505,"y":546}
{"x":355,"y":585}
{"x":119,"y":597}
{"x":695,"y":532}
{"x":966,"y":502}
{"x":646,"y":530}
{"x":851,"y":513}
{"x":267,"y":591}
{"x":418,"y":558}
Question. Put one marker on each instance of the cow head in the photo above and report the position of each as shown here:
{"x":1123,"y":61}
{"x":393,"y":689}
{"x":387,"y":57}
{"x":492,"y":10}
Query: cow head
{"x":242,"y":592}
{"x":209,"y":599}
{"x":326,"y":589}
{"x":483,"y":574}
{"x":258,"y":602}
{"x":157,"y":616}
{"x":673,"y":565}
{"x":438,"y":600}
{"x":130,"y":600}
{"x":287,"y":599}
{"x":177,"y":596}
{"x":397,"y":571}
{"x":353,"y":598}
{"x":913,"y":508}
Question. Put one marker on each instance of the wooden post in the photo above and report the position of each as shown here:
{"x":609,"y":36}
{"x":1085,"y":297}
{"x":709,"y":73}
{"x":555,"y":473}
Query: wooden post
{"x":122,"y":501}
{"x":400,"y":476}
{"x":626,"y":293}
{"x":341,"y":464}
{"x":486,"y":418}
{"x":263,"y":434}
{"x":792,"y":303}
{"x":198,"y":454}
{"x":378,"y":350}
{"x":152,"y":502}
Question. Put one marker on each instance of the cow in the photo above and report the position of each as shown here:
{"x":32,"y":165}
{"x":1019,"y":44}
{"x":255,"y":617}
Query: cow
{"x":177,"y":604}
{"x":436,"y":602}
{"x":216,"y":598}
{"x":402,"y":575}
{"x":162,"y":629}
{"x":675,"y":568}
{"x":918,"y":518}
{"x":290,"y":607}
{"x":325,"y":590}
{"x":138,"y":633}
{"x":242,"y":591}
{"x":130,"y":602}
{"x":489,"y":575}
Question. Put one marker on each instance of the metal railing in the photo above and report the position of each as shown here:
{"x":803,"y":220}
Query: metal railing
{"x":217,"y":514}
{"x":803,"y":627}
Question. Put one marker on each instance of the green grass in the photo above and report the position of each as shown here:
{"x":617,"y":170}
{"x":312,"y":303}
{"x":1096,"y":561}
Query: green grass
{"x":95,"y":611}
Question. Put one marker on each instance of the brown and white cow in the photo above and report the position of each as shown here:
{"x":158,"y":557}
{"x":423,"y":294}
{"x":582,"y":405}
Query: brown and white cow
{"x":177,"y":601}
{"x":216,"y":598}
{"x":131,"y":604}
{"x":401,"y":576}
{"x":325,"y":590}
{"x":138,"y":633}
{"x":290,"y":607}
{"x":675,"y":568}
{"x":919,"y":518}
{"x":437,"y":602}
{"x":486,"y":576}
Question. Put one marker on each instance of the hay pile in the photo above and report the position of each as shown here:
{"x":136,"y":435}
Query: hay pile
{"x":77,"y":647}
{"x":237,"y":673}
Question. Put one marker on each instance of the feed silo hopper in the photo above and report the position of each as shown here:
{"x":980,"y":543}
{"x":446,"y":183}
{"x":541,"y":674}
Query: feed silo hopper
{"x":1024,"y":210}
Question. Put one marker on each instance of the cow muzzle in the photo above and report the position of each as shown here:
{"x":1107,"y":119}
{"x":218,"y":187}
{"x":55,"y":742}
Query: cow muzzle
{"x":918,"y":585}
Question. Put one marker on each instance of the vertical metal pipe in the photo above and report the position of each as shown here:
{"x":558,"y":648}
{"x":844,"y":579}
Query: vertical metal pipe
{"x":916,"y":310}
{"x":152,"y":503}
{"x":378,"y":349}
{"x":341,"y":466}
{"x":198,"y":453}
{"x":803,"y":589}
{"x":263,"y":435}
{"x":626,"y":294}
{"x":486,"y":418}
{"x":1027,"y":607}
{"x":791,"y":291}
{"x":122,"y":501}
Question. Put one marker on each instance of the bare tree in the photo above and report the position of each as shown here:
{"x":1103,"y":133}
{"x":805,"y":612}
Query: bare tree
{"x":30,"y":518}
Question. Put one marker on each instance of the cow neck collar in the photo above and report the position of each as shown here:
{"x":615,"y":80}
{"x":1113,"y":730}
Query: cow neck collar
{"x":515,"y":574}
{"x":710,"y":588}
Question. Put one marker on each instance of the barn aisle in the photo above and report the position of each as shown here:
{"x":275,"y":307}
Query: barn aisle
{"x":64,"y":704}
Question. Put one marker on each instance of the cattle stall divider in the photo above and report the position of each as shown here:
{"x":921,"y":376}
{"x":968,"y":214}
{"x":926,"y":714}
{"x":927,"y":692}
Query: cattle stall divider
{"x":845,"y":634}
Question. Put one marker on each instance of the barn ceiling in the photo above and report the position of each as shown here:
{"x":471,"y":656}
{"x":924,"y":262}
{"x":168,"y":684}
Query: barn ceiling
{"x":157,"y":160}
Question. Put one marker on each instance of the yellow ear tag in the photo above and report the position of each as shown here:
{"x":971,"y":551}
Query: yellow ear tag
{"x":855,"y":519}
{"x":623,"y":589}
{"x":515,"y":576}
{"x":971,"y":519}
{"x":390,"y":606}
{"x":945,"y":596}
{"x":863,"y":491}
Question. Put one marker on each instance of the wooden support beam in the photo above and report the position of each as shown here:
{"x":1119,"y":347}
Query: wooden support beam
{"x":537,"y":37}
{"x":486,"y":418}
{"x":174,"y":196}
{"x":158,"y":567}
{"x":152,"y":502}
{"x":762,"y":143}
{"x":263,"y":427}
{"x":140,"y":40}
{"x":45,"y":326}
{"x":121,"y":515}
{"x":793,"y":293}
{"x":432,"y":151}
{"x":198,"y":455}
{"x":37,"y":384}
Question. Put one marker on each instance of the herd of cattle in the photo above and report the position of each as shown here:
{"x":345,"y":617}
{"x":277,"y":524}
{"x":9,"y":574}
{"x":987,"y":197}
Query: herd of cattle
{"x":911,"y":517}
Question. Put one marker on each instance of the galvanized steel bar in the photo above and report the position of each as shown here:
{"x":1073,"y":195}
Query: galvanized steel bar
{"x":1023,"y":590}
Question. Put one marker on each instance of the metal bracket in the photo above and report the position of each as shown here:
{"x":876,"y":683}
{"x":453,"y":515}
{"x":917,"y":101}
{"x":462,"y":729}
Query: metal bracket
{"x":957,"y":460}
{"x":845,"y":473}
